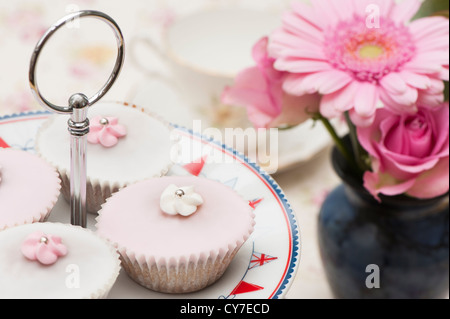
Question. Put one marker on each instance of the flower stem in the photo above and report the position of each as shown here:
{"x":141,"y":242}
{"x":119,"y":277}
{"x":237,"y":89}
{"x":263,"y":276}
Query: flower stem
{"x":337,"y":140}
{"x":357,"y":149}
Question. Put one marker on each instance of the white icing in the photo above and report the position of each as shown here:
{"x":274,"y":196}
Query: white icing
{"x":143,"y":153}
{"x":89,"y":269}
{"x":185,"y":203}
{"x":0,"y":174}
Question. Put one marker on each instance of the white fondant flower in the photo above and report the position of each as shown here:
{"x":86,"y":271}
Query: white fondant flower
{"x":180,"y":200}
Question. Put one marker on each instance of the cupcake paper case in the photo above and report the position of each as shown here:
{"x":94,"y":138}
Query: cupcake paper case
{"x":55,"y":261}
{"x":167,"y":251}
{"x":125,"y":145}
{"x":29,"y":188}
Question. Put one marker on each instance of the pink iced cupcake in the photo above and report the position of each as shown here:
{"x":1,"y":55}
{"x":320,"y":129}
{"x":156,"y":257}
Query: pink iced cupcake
{"x":176,"y":234}
{"x":29,"y":188}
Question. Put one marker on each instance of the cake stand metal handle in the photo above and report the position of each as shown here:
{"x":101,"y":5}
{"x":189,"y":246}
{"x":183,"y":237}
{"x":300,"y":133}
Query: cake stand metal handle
{"x":78,"y":124}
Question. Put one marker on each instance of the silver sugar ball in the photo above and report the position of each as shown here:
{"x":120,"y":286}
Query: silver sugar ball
{"x":179,"y":193}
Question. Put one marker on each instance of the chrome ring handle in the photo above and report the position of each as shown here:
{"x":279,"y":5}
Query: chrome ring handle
{"x":37,"y":50}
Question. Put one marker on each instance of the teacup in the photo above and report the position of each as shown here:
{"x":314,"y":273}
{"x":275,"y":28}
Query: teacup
{"x":204,"y":52}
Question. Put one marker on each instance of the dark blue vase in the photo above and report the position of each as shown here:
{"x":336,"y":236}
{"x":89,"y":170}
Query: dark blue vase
{"x":395,"y":249}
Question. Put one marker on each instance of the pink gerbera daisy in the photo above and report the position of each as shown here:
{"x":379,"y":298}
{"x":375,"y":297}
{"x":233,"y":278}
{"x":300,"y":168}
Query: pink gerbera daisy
{"x":358,"y":53}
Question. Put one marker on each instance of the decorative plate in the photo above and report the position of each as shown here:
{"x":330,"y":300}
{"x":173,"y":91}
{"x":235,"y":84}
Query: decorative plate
{"x":265,"y":266}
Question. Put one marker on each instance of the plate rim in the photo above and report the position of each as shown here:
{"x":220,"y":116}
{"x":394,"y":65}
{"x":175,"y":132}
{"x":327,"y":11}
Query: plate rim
{"x":294,"y":229}
{"x":295,"y":250}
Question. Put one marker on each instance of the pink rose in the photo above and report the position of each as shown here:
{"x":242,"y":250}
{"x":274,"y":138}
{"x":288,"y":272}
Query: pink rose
{"x":409,"y":152}
{"x":260,"y":90}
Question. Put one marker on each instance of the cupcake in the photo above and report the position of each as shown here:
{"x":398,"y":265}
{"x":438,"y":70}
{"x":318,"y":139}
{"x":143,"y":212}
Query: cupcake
{"x":125,"y":145}
{"x":55,"y":261}
{"x":179,"y":234}
{"x":29,"y":188}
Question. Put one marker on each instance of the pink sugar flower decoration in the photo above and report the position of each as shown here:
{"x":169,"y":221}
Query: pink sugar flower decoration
{"x":46,"y":249}
{"x":361,"y":54}
{"x":106,"y":131}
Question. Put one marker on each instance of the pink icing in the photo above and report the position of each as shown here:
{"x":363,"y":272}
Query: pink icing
{"x":29,"y":188}
{"x":43,"y":248}
{"x":105,"y":131}
{"x":133,"y":219}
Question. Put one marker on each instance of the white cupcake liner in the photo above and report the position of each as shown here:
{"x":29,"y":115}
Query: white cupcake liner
{"x":176,"y":277}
